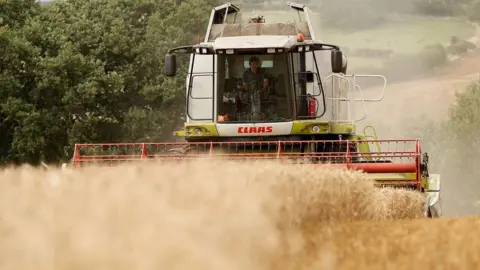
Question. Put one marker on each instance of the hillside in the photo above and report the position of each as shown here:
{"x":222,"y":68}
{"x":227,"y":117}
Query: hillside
{"x":406,"y":103}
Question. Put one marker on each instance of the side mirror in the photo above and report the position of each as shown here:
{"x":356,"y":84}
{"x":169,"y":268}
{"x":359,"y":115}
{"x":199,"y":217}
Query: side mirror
{"x":339,"y":62}
{"x":345,"y":64}
{"x":170,"y":65}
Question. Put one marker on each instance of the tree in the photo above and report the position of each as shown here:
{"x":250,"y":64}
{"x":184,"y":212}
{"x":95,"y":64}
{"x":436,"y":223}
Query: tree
{"x":18,"y":61}
{"x":14,"y":13}
{"x":90,"y":71}
{"x":453,"y":146}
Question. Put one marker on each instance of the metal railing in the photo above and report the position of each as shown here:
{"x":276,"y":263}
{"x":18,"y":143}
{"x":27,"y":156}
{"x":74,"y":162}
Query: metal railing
{"x":352,"y":87}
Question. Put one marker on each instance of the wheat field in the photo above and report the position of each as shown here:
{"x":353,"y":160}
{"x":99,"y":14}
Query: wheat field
{"x":210,"y":215}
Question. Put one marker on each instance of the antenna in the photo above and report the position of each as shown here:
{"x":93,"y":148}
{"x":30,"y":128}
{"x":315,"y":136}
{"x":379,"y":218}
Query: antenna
{"x":198,"y":31}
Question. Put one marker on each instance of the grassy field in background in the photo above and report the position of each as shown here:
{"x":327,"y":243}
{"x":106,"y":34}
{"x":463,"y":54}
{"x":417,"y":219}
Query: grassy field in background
{"x":403,"y":33}
{"x":407,"y":36}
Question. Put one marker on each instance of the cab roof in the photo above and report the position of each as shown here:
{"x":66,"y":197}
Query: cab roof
{"x":254,"y":42}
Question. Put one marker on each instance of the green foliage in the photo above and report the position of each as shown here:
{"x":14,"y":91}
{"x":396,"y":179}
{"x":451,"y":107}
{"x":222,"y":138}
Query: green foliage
{"x":90,"y":71}
{"x":433,"y":56}
{"x":461,"y":130}
{"x":454,"y":147}
{"x":436,"y":7}
{"x":460,"y":46}
{"x":14,"y":13}
{"x":465,"y":115}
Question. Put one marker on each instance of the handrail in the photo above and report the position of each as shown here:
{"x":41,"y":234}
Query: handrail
{"x":352,"y":100}
{"x":371,"y":76}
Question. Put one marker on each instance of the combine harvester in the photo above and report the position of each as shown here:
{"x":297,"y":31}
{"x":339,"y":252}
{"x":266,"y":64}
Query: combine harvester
{"x":285,"y":111}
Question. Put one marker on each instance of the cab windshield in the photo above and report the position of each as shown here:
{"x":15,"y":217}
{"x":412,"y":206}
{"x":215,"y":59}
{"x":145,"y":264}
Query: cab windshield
{"x":254,"y":88}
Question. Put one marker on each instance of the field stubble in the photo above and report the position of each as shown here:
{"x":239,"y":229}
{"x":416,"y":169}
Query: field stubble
{"x":207,"y":215}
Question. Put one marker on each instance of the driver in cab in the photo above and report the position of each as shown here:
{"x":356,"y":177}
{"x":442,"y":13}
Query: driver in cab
{"x":256,"y":84}
{"x":255,"y":75}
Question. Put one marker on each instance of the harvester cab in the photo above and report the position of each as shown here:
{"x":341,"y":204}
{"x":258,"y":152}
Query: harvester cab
{"x":259,"y":80}
{"x":271,"y":90}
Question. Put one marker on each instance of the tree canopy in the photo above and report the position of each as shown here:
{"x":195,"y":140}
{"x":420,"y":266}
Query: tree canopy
{"x":89,"y":71}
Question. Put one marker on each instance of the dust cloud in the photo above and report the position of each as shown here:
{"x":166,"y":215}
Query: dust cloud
{"x":201,"y":215}
{"x":421,"y":109}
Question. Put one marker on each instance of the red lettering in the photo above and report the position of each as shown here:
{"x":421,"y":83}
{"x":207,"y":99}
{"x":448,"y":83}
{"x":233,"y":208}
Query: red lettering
{"x":245,"y":130}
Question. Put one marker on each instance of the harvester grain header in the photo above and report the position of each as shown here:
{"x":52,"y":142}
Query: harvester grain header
{"x":258,"y":90}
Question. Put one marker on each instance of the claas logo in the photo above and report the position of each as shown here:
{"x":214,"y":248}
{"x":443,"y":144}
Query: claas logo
{"x":249,"y":130}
